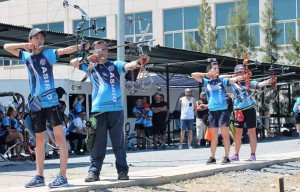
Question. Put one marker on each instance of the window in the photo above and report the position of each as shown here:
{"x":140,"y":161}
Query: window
{"x":285,"y":10}
{"x":222,"y":11}
{"x":284,"y":28}
{"x":100,"y":22}
{"x":177,"y":22}
{"x":58,"y":26}
{"x":134,"y":22}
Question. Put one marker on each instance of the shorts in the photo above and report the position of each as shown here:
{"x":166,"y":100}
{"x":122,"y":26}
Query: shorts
{"x":159,"y":127}
{"x":297,"y":118}
{"x":50,"y":114}
{"x":187,"y":124}
{"x":249,"y":119}
{"x":138,"y":126}
{"x":148,"y":131}
{"x":219,"y":118}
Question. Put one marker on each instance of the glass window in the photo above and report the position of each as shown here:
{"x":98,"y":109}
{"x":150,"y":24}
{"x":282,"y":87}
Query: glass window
{"x":85,"y":25}
{"x":221,"y":36}
{"x":173,"y":20}
{"x":41,"y":26}
{"x":255,"y":30}
{"x":178,"y":40}
{"x":222,"y":10}
{"x":253,"y":9}
{"x":292,"y":26}
{"x":191,"y":17}
{"x":1,"y":62}
{"x":284,"y":9}
{"x":132,"y":26}
{"x":58,"y":26}
{"x":280,"y":28}
{"x":169,"y":40}
{"x":100,"y":22}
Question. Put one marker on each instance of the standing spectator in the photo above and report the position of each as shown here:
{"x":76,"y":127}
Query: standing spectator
{"x":78,"y":105}
{"x":296,"y":110}
{"x":188,"y":107}
{"x":107,"y":108}
{"x":159,"y":118}
{"x":147,"y":115}
{"x":41,"y":79}
{"x":218,"y":112}
{"x":138,"y":126}
{"x":201,"y":118}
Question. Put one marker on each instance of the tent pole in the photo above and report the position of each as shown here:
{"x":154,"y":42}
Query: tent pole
{"x":168,"y":101}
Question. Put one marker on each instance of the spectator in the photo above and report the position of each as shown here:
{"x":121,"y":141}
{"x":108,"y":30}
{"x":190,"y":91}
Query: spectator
{"x":296,"y":110}
{"x":13,"y":130}
{"x":188,"y":107}
{"x":201,"y":118}
{"x":147,"y":115}
{"x":139,"y":127}
{"x":78,"y":105}
{"x":77,"y":131}
{"x":159,"y":118}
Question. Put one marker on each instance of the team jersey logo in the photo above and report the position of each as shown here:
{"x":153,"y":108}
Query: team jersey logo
{"x":43,"y":61}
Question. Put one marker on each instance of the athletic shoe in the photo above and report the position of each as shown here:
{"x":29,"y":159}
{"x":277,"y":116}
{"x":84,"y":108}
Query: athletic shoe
{"x":252,"y":157}
{"x":91,"y":178}
{"x":190,"y":147}
{"x":211,"y":160}
{"x":179,"y":147}
{"x":123,"y":176}
{"x":37,"y":181}
{"x":235,"y":157}
{"x":59,"y":181}
{"x":226,"y":160}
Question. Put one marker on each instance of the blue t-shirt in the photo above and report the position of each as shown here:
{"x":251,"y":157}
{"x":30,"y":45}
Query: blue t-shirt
{"x":40,"y":73}
{"x":105,"y":78}
{"x":13,"y":124}
{"x":2,"y":128}
{"x":147,"y":122}
{"x":139,"y":110}
{"x":297,"y":103}
{"x":242,"y":95}
{"x":215,"y":92}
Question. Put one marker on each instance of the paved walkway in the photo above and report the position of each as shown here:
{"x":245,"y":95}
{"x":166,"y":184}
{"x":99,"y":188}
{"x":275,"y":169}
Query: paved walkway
{"x":149,"y":167}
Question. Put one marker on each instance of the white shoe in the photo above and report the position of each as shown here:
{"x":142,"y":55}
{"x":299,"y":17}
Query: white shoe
{"x":179,"y":147}
{"x":190,"y":147}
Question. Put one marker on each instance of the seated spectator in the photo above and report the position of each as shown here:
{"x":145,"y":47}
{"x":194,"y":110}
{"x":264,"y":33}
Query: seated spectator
{"x":148,"y":126}
{"x":77,"y":131}
{"x":13,"y":129}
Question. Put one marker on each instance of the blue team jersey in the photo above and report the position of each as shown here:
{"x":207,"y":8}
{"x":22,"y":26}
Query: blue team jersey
{"x":297,"y":103}
{"x":215,"y":92}
{"x":242,"y":95}
{"x":147,"y":122}
{"x":105,"y":78}
{"x":13,"y":124}
{"x":139,"y":110}
{"x":40,"y":73}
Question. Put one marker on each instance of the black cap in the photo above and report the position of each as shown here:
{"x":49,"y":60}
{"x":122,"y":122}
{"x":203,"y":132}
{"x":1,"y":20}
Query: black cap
{"x":35,"y":31}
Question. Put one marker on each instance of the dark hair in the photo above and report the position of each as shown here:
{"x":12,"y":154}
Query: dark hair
{"x":98,"y":43}
{"x":210,"y":66}
{"x":60,"y":92}
{"x":9,"y":110}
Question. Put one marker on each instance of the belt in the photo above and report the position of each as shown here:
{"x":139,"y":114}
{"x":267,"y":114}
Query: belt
{"x":249,"y":107}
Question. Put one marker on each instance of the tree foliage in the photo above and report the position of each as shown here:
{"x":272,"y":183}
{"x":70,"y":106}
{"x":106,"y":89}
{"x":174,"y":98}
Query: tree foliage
{"x":293,"y":53}
{"x":269,"y":30}
{"x":237,"y":30}
{"x":206,"y":31}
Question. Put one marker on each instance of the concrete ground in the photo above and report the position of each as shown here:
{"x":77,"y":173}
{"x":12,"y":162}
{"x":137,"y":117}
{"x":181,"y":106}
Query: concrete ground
{"x":149,"y":167}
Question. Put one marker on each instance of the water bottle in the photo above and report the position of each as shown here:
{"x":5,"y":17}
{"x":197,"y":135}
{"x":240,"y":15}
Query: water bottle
{"x":93,"y":121}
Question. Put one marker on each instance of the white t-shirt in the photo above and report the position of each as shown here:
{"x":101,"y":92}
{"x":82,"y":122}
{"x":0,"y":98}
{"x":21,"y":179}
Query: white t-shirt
{"x":187,"y":108}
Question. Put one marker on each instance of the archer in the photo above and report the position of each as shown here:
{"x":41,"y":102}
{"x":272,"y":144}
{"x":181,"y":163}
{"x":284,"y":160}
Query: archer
{"x":39,"y":64}
{"x":107,"y":107}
